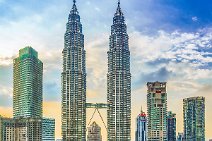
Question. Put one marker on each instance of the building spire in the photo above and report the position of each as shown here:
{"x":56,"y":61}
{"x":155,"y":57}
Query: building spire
{"x":118,"y":11}
{"x":74,"y":8}
{"x":142,"y":109}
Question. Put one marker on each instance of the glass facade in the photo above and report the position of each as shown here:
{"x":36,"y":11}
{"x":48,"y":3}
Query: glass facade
{"x":74,"y":80}
{"x":141,"y":128}
{"x":171,"y":126}
{"x":157,"y":111}
{"x":194,"y":118}
{"x":119,"y":81}
{"x":48,"y":129}
{"x":27,"y":84}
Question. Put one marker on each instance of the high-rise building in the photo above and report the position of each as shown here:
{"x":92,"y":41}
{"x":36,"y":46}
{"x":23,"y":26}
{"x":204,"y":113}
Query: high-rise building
{"x":27,"y":84}
{"x":94,"y":132}
{"x":171,"y":126}
{"x":7,"y":129}
{"x":141,"y":128}
{"x":28,"y":98}
{"x":74,"y":80}
{"x":194,"y":118}
{"x":48,"y":129}
{"x":28,"y":129}
{"x":119,"y":81}
{"x":20,"y":129}
{"x":157,"y":111}
{"x":180,"y":137}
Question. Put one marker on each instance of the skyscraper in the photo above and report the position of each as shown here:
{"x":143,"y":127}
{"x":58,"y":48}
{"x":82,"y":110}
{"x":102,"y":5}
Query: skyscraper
{"x":194,"y":118}
{"x":48,"y":129}
{"x":157,"y":111}
{"x":94,"y":132}
{"x":74,"y":80}
{"x":119,"y":81}
{"x":171,"y":126}
{"x":141,"y":128}
{"x":28,"y":129}
{"x":27,"y":84}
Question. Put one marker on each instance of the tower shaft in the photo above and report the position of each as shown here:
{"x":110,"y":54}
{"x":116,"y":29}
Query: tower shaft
{"x":74,"y":81}
{"x":119,"y":81}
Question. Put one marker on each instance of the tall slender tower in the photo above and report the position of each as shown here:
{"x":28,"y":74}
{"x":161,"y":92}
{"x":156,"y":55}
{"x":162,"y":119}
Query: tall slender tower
{"x":27,"y":83}
{"x":119,"y":81}
{"x":141,"y":128}
{"x":157,"y":111}
{"x":171,"y":126}
{"x":74,"y":80}
{"x":194,"y":118}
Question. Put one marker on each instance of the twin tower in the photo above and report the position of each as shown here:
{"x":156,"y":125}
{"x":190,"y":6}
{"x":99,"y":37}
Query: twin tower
{"x":74,"y":81}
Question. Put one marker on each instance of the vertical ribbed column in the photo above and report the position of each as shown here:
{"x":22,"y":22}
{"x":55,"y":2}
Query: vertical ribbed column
{"x":119,"y":81}
{"x":74,"y":81}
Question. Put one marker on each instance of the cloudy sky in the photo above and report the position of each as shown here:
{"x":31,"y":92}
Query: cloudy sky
{"x":170,"y":40}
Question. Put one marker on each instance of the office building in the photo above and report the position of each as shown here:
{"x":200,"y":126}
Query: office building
{"x":141,"y":128}
{"x":94,"y":132}
{"x":157,"y":111}
{"x":48,"y":129}
{"x":119,"y":81}
{"x":194,"y":118}
{"x":7,"y":129}
{"x":27,"y":84}
{"x":171,"y":126}
{"x":74,"y":80}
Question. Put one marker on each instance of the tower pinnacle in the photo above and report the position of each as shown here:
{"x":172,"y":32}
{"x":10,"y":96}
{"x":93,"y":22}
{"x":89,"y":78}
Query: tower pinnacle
{"x":118,"y":11}
{"x":74,"y":8}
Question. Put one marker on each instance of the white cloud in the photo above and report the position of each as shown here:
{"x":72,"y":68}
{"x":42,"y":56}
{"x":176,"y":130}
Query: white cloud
{"x":194,"y":19}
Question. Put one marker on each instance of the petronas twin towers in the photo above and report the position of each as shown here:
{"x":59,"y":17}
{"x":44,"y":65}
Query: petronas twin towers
{"x":74,"y":81}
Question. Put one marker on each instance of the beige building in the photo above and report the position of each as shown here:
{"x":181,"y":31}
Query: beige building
{"x":22,"y":129}
{"x":94,"y":132}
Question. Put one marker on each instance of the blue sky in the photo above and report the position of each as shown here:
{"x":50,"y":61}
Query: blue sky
{"x":170,"y":40}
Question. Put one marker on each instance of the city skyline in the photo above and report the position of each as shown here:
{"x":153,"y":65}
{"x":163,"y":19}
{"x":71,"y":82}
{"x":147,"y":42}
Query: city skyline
{"x":176,"y":49}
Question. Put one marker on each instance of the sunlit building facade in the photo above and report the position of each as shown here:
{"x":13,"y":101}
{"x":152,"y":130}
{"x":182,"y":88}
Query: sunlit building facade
{"x":157,"y":111}
{"x":74,"y":80}
{"x":119,"y":81}
{"x":94,"y":132}
{"x":27,"y":84}
{"x":194,"y":118}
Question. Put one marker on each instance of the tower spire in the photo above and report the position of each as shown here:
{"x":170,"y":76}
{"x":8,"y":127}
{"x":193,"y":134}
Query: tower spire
{"x":74,"y":8}
{"x":142,"y":109}
{"x":118,"y":11}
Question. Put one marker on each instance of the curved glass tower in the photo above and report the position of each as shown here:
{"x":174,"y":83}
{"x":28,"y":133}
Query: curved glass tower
{"x":74,"y":80}
{"x":119,"y":81}
{"x":27,"y":83}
